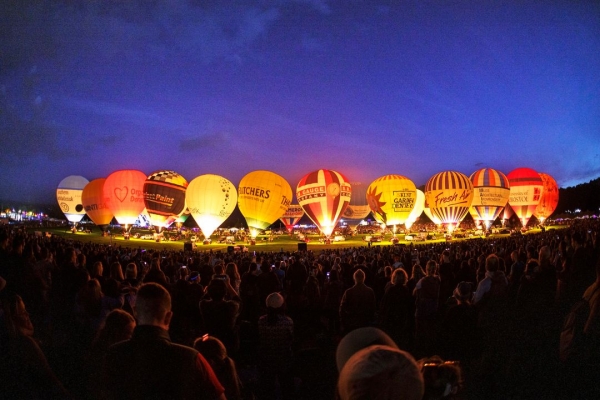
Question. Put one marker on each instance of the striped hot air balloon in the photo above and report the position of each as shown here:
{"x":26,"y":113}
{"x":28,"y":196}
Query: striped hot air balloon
{"x":525,"y":192}
{"x":291,"y":217}
{"x":164,"y":197}
{"x":491,"y":192}
{"x":449,"y":195}
{"x":324,"y":195}
{"x":549,"y":199}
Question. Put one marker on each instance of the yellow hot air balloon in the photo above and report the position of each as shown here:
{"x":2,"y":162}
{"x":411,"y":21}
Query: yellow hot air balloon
{"x":417,"y":211}
{"x":210,"y":199}
{"x":68,"y":195}
{"x":549,"y":199}
{"x":263,"y":197}
{"x":391,"y":199}
{"x":449,"y":195}
{"x":93,"y":201}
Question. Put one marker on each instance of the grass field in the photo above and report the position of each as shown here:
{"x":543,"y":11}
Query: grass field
{"x":282,"y":242}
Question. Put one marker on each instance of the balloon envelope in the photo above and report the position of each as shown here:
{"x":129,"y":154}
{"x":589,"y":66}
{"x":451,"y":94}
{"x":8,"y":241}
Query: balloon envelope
{"x":417,"y":211}
{"x":68,"y":195}
{"x":211,"y":199}
{"x":525,"y":191}
{"x":449,"y":195}
{"x":491,"y":193}
{"x":164,"y":197}
{"x":124,"y":194}
{"x":263,"y":197}
{"x":358,"y":209}
{"x":324,"y":195}
{"x":291,"y":217}
{"x":392,"y":198}
{"x":549,"y":199}
{"x":94,"y":203}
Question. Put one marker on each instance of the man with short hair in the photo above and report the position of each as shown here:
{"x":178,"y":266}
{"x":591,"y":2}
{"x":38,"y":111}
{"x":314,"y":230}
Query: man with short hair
{"x":149,"y":365}
{"x":357,"y":308}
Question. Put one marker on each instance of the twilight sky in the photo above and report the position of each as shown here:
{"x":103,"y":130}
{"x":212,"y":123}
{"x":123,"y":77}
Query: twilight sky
{"x":366,"y":88}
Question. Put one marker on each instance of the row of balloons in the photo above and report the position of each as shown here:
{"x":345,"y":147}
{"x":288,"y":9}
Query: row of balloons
{"x":325,"y":196}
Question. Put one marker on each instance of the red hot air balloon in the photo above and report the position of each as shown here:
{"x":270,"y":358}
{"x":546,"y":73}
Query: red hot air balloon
{"x":324,"y":195}
{"x":124,"y":194}
{"x":525,"y":192}
{"x":549,"y":199}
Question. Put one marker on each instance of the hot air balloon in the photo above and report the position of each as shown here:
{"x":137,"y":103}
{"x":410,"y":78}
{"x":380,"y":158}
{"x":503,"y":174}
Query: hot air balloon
{"x":263,"y":197}
{"x":124,"y":194}
{"x":417,"y":211}
{"x":68,"y":195}
{"x":358,"y":209}
{"x":391,"y":199}
{"x":525,"y":191}
{"x":549,"y":199}
{"x":94,"y":203}
{"x":449,"y":195}
{"x":324,"y":195}
{"x":291,"y":217}
{"x":475,"y":216}
{"x":492,"y":190}
{"x":432,"y":217}
{"x":211,"y":199}
{"x":164,"y":197}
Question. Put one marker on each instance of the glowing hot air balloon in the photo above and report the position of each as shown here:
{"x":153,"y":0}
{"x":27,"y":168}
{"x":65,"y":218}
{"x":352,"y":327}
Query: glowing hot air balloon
{"x":291,"y":217}
{"x":449,"y":195}
{"x":124,"y":194}
{"x":391,"y":199}
{"x":263,"y":197}
{"x":525,"y":191}
{"x":94,"y":203}
{"x":549,"y":199}
{"x":68,"y":195}
{"x":211,"y":199}
{"x":324,"y":195}
{"x":164,"y":197}
{"x":492,"y":190}
{"x":358,"y":209}
{"x":417,"y":211}
{"x":432,"y":217}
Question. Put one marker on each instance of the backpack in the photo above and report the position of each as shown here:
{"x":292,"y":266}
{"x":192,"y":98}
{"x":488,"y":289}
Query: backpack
{"x":572,"y":340}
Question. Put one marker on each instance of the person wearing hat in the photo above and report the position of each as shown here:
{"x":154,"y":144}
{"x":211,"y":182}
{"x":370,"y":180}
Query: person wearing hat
{"x":275,"y":356}
{"x":371,"y":366}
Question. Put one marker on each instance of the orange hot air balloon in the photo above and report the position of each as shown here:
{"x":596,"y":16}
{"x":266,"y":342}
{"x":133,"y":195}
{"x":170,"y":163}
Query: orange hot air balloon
{"x":525,"y":192}
{"x":432,"y":217}
{"x":291,"y":217}
{"x":492,"y":190}
{"x":263,"y":197}
{"x":449,"y":195}
{"x":210,"y":199}
{"x":68,"y":195}
{"x":417,"y":211}
{"x":549,"y":199}
{"x":392,"y":198}
{"x":324,"y":195}
{"x":124,"y":194}
{"x":164,"y":197}
{"x":94,"y":203}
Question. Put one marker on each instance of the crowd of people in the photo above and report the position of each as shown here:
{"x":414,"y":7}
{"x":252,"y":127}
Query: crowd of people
{"x":514,"y":317}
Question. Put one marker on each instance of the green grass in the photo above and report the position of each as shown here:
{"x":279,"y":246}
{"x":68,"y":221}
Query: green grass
{"x":280,"y":242}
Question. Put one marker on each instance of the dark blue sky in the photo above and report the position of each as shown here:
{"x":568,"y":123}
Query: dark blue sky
{"x":363,"y":87}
